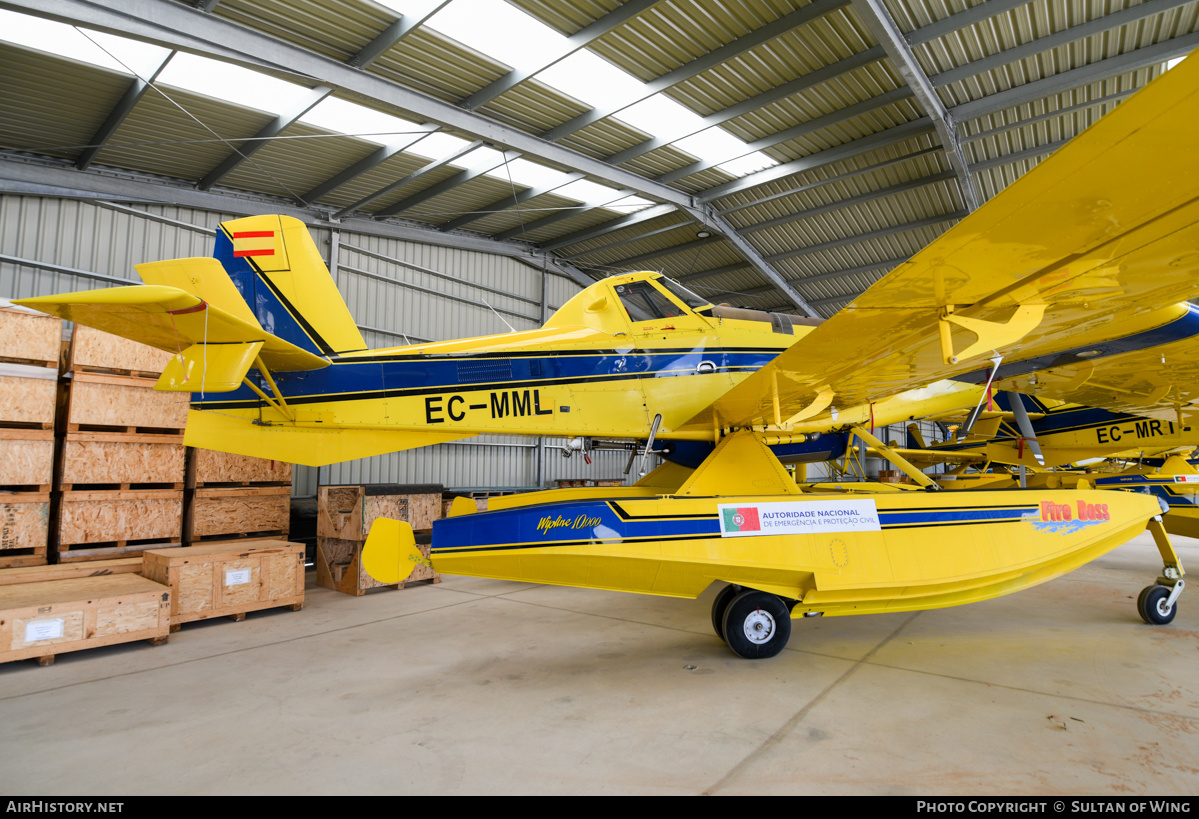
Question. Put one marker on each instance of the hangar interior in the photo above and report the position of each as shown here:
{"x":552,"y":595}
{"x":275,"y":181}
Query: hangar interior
{"x":466,"y":167}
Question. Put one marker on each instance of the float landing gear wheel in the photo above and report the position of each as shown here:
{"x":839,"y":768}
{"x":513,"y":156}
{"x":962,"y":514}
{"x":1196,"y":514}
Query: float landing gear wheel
{"x":757,"y":625}
{"x":720,"y":606}
{"x":1157,"y":604}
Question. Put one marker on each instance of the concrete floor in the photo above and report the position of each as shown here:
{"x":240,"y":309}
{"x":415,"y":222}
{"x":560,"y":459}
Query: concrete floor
{"x":480,"y":686}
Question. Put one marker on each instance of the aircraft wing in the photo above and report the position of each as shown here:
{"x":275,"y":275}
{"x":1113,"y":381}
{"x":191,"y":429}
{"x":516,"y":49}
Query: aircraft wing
{"x":1099,"y":239}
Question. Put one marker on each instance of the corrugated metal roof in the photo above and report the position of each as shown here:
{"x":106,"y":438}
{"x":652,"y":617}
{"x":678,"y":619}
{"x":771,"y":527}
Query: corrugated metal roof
{"x":820,"y":99}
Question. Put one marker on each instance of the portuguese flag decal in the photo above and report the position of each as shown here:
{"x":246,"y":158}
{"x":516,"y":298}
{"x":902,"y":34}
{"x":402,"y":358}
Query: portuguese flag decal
{"x":741,"y":519}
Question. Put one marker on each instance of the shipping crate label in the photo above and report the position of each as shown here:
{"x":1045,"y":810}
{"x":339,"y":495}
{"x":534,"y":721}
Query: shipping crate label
{"x":236,"y":577}
{"x":49,"y":629}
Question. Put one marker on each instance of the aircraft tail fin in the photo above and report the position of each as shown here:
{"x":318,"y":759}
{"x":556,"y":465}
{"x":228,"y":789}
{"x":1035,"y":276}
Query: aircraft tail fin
{"x":277,"y":269}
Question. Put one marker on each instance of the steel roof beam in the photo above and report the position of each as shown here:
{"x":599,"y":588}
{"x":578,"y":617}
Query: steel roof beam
{"x":816,"y":277}
{"x":883,"y":26}
{"x":631,"y":239}
{"x":137,"y":89}
{"x":508,"y":202}
{"x":972,"y":15}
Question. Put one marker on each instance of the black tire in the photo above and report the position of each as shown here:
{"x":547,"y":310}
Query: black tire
{"x":720,"y":605}
{"x":1150,"y":603}
{"x":757,"y":625}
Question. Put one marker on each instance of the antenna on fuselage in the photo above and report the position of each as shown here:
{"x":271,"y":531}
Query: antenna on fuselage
{"x":497,"y":315}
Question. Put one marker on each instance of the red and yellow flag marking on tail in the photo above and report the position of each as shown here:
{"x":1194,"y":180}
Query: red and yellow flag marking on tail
{"x":249,"y":243}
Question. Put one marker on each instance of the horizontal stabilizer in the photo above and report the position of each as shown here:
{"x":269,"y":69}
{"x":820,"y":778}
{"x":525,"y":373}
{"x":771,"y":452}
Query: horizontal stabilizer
{"x":171,"y":319}
{"x":308,"y":445}
{"x":206,"y":368}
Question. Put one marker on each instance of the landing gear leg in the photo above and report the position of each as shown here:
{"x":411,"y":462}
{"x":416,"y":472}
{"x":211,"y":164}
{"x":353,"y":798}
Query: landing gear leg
{"x":1157,"y":604}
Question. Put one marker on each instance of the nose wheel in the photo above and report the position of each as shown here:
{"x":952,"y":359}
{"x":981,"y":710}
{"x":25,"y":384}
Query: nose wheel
{"x":1158,"y":603}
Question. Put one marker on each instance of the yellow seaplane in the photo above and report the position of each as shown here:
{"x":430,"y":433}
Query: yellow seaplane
{"x":1070,"y":284}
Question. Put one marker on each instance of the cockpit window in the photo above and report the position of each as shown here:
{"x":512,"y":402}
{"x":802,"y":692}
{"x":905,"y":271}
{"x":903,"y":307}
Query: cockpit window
{"x":645,"y":303}
{"x":687,"y":297}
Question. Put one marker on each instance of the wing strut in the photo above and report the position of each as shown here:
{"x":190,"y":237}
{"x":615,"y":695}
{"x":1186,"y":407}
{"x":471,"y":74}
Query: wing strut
{"x":965,"y":428}
{"x":897,"y":459}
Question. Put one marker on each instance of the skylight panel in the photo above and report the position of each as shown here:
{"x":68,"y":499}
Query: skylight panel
{"x":500,"y":31}
{"x":346,"y":117}
{"x":231,"y":83}
{"x":629,"y":204}
{"x":595,"y":81}
{"x":437,"y":145}
{"x":587,"y":192}
{"x":103,"y":50}
{"x":530,"y":175}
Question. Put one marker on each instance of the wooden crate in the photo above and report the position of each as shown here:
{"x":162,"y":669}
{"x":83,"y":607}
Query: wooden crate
{"x":27,"y":336}
{"x":28,"y":395}
{"x":339,"y":567}
{"x":26,"y":459}
{"x":102,"y":402}
{"x":208,"y":467}
{"x":347,"y":512}
{"x":225,"y":512}
{"x":24,"y":528}
{"x":56,"y":616}
{"x":93,"y":350}
{"x":92,"y":525}
{"x":125,"y":459}
{"x":228,"y":579}
{"x":71,"y":571}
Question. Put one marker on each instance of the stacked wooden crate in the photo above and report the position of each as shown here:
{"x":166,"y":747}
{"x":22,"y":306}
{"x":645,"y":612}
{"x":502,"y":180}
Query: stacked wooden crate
{"x":30,"y":344}
{"x":344,"y":518}
{"x":236,"y":496}
{"x":121,"y":452}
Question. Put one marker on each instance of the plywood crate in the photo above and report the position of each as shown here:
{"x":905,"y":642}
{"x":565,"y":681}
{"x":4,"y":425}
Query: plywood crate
{"x":53,"y":617}
{"x":125,"y":459}
{"x":71,"y":571}
{"x":228,"y":579}
{"x":346,"y":512}
{"x":225,"y":512}
{"x":102,"y":402}
{"x":339,"y":567}
{"x":93,"y":350}
{"x":207,"y":467}
{"x":344,"y":518}
{"x":93,"y":525}
{"x":24,"y":528}
{"x":28,"y":395}
{"x":29,"y":337}
{"x":26,"y":459}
